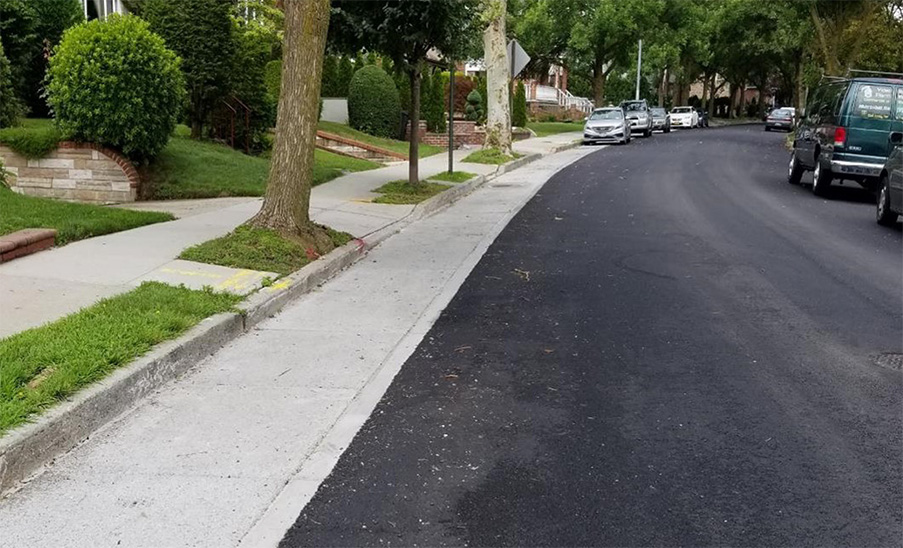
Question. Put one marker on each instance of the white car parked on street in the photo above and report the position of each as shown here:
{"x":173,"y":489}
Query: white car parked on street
{"x":684,"y":117}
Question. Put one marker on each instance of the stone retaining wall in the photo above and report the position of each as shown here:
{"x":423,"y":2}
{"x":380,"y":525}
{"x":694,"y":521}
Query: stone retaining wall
{"x":81,"y":172}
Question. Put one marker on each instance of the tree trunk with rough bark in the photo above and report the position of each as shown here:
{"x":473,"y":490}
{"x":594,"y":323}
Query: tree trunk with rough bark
{"x":287,"y":201}
{"x":713,"y":95}
{"x":705,"y":90}
{"x":599,"y":77}
{"x":495,"y":51}
{"x":414,"y":74}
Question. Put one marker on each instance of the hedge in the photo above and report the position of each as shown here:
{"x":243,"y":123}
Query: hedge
{"x":373,"y":103}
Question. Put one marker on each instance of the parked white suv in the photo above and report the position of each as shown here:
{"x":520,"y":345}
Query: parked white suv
{"x":684,"y":117}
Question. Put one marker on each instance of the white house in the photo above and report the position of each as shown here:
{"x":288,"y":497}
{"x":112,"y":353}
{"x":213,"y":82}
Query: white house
{"x":100,"y":9}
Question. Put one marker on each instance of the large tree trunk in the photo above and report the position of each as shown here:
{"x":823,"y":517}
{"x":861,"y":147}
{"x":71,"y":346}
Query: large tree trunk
{"x":287,"y":201}
{"x":705,"y":90}
{"x":414,"y":74}
{"x":798,"y":87}
{"x":713,"y":95}
{"x":662,"y":82}
{"x":495,"y":48}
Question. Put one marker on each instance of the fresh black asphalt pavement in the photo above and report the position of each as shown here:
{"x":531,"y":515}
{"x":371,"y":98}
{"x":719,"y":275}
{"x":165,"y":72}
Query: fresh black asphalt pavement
{"x":669,"y":345}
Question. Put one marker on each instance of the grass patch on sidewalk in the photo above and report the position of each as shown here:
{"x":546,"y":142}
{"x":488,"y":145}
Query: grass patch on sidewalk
{"x":257,"y":249}
{"x":401,"y":192}
{"x":188,"y":169}
{"x":44,"y":365}
{"x":400,"y":147}
{"x":33,"y":138}
{"x":492,"y":156}
{"x":453,"y":177}
{"x":544,"y":129}
{"x":72,"y":221}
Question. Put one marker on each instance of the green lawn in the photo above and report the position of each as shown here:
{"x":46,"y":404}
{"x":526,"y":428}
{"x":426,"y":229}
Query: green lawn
{"x":33,"y":138}
{"x":199,"y":169}
{"x":72,"y":221}
{"x":44,"y":365}
{"x":492,"y":156}
{"x":453,"y":177}
{"x":402,"y":192}
{"x":544,"y":129}
{"x":391,"y":144}
{"x":256,"y":249}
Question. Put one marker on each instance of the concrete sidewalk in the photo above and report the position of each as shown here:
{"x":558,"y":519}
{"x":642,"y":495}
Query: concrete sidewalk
{"x":232,"y":451}
{"x":51,"y":284}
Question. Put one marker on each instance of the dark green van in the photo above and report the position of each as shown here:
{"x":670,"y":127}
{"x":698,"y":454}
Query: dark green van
{"x":845,"y":131}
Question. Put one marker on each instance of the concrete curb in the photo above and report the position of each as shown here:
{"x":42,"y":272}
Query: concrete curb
{"x":27,"y":449}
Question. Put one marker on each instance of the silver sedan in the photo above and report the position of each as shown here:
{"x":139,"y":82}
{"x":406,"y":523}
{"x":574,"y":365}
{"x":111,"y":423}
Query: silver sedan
{"x":606,"y":125}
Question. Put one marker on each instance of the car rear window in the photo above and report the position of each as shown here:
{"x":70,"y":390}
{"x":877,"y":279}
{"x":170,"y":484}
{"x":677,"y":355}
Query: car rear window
{"x":874,"y":102}
{"x":782,"y":114}
{"x":682,"y":109}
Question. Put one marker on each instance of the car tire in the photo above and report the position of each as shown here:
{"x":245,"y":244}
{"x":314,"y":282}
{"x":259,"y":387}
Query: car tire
{"x":667,"y":129}
{"x":821,"y":178}
{"x":767,"y":128}
{"x":794,"y":170}
{"x":883,"y":212}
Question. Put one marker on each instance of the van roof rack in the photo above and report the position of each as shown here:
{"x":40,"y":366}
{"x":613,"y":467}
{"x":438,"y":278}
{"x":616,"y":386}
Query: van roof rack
{"x":877,"y":73}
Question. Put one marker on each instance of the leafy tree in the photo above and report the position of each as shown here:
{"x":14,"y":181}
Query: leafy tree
{"x":286,"y":204}
{"x":201,"y":33}
{"x":403,"y":30}
{"x":29,"y":30}
{"x":519,"y":106}
{"x":248,"y":80}
{"x":10,"y":106}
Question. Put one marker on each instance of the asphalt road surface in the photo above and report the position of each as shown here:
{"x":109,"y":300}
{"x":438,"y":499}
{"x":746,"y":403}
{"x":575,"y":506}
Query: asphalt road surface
{"x":669,"y":345}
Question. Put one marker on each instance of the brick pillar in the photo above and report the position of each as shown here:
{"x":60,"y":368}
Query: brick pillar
{"x":564,"y":79}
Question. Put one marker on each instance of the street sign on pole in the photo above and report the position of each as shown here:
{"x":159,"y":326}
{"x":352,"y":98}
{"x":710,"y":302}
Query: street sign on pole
{"x":517,"y":58}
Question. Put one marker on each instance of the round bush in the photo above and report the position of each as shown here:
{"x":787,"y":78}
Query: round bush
{"x":373,"y":103}
{"x":114,"y":82}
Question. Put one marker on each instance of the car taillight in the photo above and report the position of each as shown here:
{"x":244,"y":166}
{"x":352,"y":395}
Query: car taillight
{"x":840,"y":136}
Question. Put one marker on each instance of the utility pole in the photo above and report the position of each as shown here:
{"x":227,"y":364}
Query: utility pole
{"x":639,"y":67}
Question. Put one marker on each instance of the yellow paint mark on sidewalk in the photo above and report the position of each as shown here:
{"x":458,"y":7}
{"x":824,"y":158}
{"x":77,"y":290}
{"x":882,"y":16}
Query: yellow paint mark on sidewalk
{"x":191,"y":273}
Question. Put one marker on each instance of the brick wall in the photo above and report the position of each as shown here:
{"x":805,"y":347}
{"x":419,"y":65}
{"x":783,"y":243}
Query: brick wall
{"x":466,"y":133}
{"x":81,"y":172}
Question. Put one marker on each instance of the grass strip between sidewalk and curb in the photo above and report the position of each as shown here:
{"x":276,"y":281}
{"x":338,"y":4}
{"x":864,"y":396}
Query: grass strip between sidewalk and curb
{"x":257,"y":249}
{"x":401,"y":147}
{"x":453,"y":177}
{"x":544,"y":129}
{"x":72,"y":221}
{"x":401,"y":192}
{"x":44,"y":365}
{"x":491,"y":156}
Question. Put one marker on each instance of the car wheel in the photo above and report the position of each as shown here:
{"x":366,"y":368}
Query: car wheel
{"x":668,"y":129}
{"x":767,"y":128}
{"x":884,"y":214}
{"x":795,"y":170}
{"x":821,"y":178}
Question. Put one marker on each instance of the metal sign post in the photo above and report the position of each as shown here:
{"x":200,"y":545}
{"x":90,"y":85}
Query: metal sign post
{"x":639,"y":67}
{"x":451,"y":118}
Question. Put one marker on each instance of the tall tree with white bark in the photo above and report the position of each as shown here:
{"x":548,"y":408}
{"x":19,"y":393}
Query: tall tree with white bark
{"x":287,"y":201}
{"x":495,"y":56}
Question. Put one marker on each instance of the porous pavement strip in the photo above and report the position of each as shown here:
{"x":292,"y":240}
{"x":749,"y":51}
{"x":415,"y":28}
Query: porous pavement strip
{"x":49,"y":285}
{"x":201,"y":462}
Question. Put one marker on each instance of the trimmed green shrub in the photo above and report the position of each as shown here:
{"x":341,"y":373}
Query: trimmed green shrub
{"x":484,"y":98}
{"x":201,"y":33}
{"x":373,"y":104}
{"x":11,"y":108}
{"x":519,"y":106}
{"x":434,"y":103}
{"x":31,"y":142}
{"x":474,"y":109}
{"x":114,"y":82}
{"x":273,"y":78}
{"x":345,"y":74}
{"x":248,"y":82}
{"x":329,"y":81}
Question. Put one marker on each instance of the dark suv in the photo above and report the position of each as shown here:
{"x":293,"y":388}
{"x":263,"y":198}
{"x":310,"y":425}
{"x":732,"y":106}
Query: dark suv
{"x":845,"y":132}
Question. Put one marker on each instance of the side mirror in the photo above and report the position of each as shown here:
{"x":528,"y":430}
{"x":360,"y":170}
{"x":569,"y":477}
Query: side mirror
{"x":585,"y":118}
{"x":896,"y":138}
